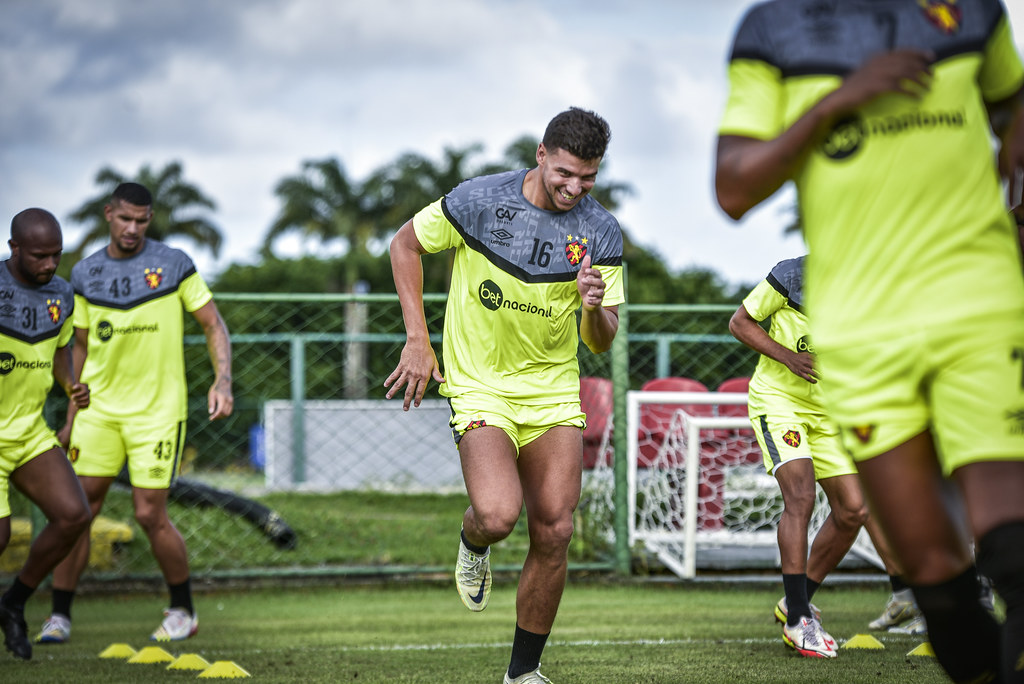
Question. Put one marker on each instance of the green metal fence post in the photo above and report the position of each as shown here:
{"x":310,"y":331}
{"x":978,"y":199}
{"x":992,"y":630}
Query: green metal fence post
{"x":620,"y":382}
{"x":298,"y":371}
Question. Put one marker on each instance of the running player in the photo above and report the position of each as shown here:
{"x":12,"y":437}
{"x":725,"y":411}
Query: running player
{"x":129,"y":349}
{"x":530,"y":247}
{"x":35,"y":331}
{"x":883,"y":115}
{"x":801,"y":445}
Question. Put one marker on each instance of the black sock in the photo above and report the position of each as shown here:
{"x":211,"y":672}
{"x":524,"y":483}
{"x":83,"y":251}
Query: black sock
{"x":17,"y":595}
{"x":1001,"y":559}
{"x":478,"y":550}
{"x":812,"y":587}
{"x":964,"y":635}
{"x":61,"y":602}
{"x":526,"y":650}
{"x":181,"y":595}
{"x":797,"y":603}
{"x":897,"y":583}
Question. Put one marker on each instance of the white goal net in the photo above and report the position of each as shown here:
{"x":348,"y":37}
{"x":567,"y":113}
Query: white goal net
{"x":697,"y":483}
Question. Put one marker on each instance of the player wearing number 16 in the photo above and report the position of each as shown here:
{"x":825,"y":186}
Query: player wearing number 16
{"x":129,"y":348}
{"x":531,"y":247}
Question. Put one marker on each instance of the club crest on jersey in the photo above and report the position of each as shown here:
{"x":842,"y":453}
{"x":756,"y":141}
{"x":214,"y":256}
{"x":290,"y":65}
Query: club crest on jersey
{"x":154,"y":276}
{"x":792,"y":438}
{"x":942,"y":14}
{"x":53,"y":309}
{"x":73,"y":454}
{"x":473,"y":424}
{"x":576,"y":249}
{"x":863,"y":433}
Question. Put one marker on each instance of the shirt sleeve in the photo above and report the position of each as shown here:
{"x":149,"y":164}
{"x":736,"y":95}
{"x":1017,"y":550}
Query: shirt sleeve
{"x":1002,"y":73}
{"x":763,"y":301}
{"x":433,"y":229}
{"x":194,"y":292}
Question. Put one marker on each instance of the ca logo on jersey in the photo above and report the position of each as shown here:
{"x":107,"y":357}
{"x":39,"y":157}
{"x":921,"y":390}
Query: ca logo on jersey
{"x":53,"y":309}
{"x":942,"y":14}
{"x":154,"y":276}
{"x":576,"y":249}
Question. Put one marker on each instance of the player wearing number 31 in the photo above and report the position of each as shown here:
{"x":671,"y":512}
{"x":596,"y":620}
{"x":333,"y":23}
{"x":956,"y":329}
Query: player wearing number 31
{"x":531,"y":247}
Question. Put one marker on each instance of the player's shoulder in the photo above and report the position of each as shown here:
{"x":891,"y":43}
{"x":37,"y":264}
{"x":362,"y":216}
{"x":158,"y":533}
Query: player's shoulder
{"x":787,"y":277}
{"x":488,"y":189}
{"x":761,"y":23}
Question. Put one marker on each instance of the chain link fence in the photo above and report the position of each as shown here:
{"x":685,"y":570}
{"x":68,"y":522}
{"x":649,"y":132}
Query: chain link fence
{"x":310,"y":418}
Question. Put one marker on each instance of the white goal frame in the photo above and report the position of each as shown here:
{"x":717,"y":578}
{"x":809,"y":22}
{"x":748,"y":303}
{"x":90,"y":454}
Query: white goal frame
{"x":665,"y":543}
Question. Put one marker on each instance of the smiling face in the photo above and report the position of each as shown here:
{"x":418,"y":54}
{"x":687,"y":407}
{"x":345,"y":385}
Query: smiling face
{"x":128,"y":224}
{"x":565,"y":179}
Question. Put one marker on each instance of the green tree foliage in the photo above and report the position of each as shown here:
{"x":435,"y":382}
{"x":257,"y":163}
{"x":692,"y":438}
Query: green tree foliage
{"x":179,"y":210}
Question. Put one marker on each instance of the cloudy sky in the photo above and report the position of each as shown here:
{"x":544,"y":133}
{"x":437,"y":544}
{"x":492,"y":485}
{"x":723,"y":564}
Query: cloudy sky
{"x":243,"y":91}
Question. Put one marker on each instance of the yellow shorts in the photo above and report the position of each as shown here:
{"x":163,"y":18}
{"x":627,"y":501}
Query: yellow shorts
{"x":964,"y":381}
{"x":522,"y":423}
{"x":14,"y":454}
{"x":802,"y":435}
{"x":100,"y":447}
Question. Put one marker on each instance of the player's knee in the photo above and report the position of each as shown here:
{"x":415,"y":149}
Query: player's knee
{"x":150,"y":518}
{"x":851,"y":518}
{"x":1001,"y":559}
{"x":495,"y":523}
{"x":76,"y":522}
{"x":554,"y":535}
{"x":799,"y":505}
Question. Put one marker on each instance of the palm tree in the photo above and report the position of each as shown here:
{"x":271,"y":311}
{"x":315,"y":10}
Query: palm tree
{"x":177,"y":209}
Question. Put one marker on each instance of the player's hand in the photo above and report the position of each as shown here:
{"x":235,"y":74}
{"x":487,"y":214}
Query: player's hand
{"x":220,"y":402}
{"x":414,"y":371}
{"x":801,"y":364}
{"x":79,"y":395}
{"x":590,"y":285}
{"x":907,"y":72}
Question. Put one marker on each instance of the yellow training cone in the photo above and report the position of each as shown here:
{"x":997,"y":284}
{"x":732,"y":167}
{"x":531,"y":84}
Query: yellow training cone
{"x":924,"y":649}
{"x":224,"y":669}
{"x":151,"y":654}
{"x":863,"y":641}
{"x":189,"y":661}
{"x":122,"y":651}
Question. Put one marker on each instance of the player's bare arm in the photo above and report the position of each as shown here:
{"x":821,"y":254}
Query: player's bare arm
{"x":748,"y":331}
{"x":220,"y":399}
{"x":598,"y":323}
{"x":418,"y":363}
{"x":1007,"y":119}
{"x":78,"y":394}
{"x":749,"y":170}
{"x":79,"y":352}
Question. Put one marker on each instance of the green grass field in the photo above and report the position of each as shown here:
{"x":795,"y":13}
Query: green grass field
{"x":622,"y":632}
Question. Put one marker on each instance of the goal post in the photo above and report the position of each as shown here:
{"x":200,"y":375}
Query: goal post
{"x":695,"y":478}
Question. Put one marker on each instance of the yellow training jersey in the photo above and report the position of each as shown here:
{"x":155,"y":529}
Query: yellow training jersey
{"x":774,"y":389}
{"x":34,"y":323}
{"x":900,"y":204}
{"x":132,"y":308}
{"x":510,"y":324}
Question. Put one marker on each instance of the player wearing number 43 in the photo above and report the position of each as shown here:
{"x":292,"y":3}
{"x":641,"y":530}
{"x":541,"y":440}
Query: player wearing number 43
{"x":129,"y":349}
{"x":531,"y":247}
{"x":35,"y":332}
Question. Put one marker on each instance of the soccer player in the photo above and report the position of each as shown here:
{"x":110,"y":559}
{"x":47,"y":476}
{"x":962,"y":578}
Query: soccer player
{"x":35,"y":331}
{"x":884,"y":115}
{"x":531,"y":247}
{"x":129,"y":348}
{"x":800,"y":445}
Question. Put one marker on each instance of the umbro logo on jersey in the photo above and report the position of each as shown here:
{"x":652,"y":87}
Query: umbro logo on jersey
{"x":7,"y":311}
{"x":501,"y":237}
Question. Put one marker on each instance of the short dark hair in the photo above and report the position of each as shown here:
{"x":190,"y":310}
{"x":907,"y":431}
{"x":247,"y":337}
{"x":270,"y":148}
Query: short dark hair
{"x":580,"y":132}
{"x":133,"y":193}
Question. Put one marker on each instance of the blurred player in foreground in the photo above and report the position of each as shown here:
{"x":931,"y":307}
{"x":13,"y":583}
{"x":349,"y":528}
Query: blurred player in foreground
{"x":884,"y":115}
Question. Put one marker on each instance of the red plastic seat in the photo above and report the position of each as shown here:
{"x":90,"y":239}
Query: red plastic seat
{"x":598,"y":402}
